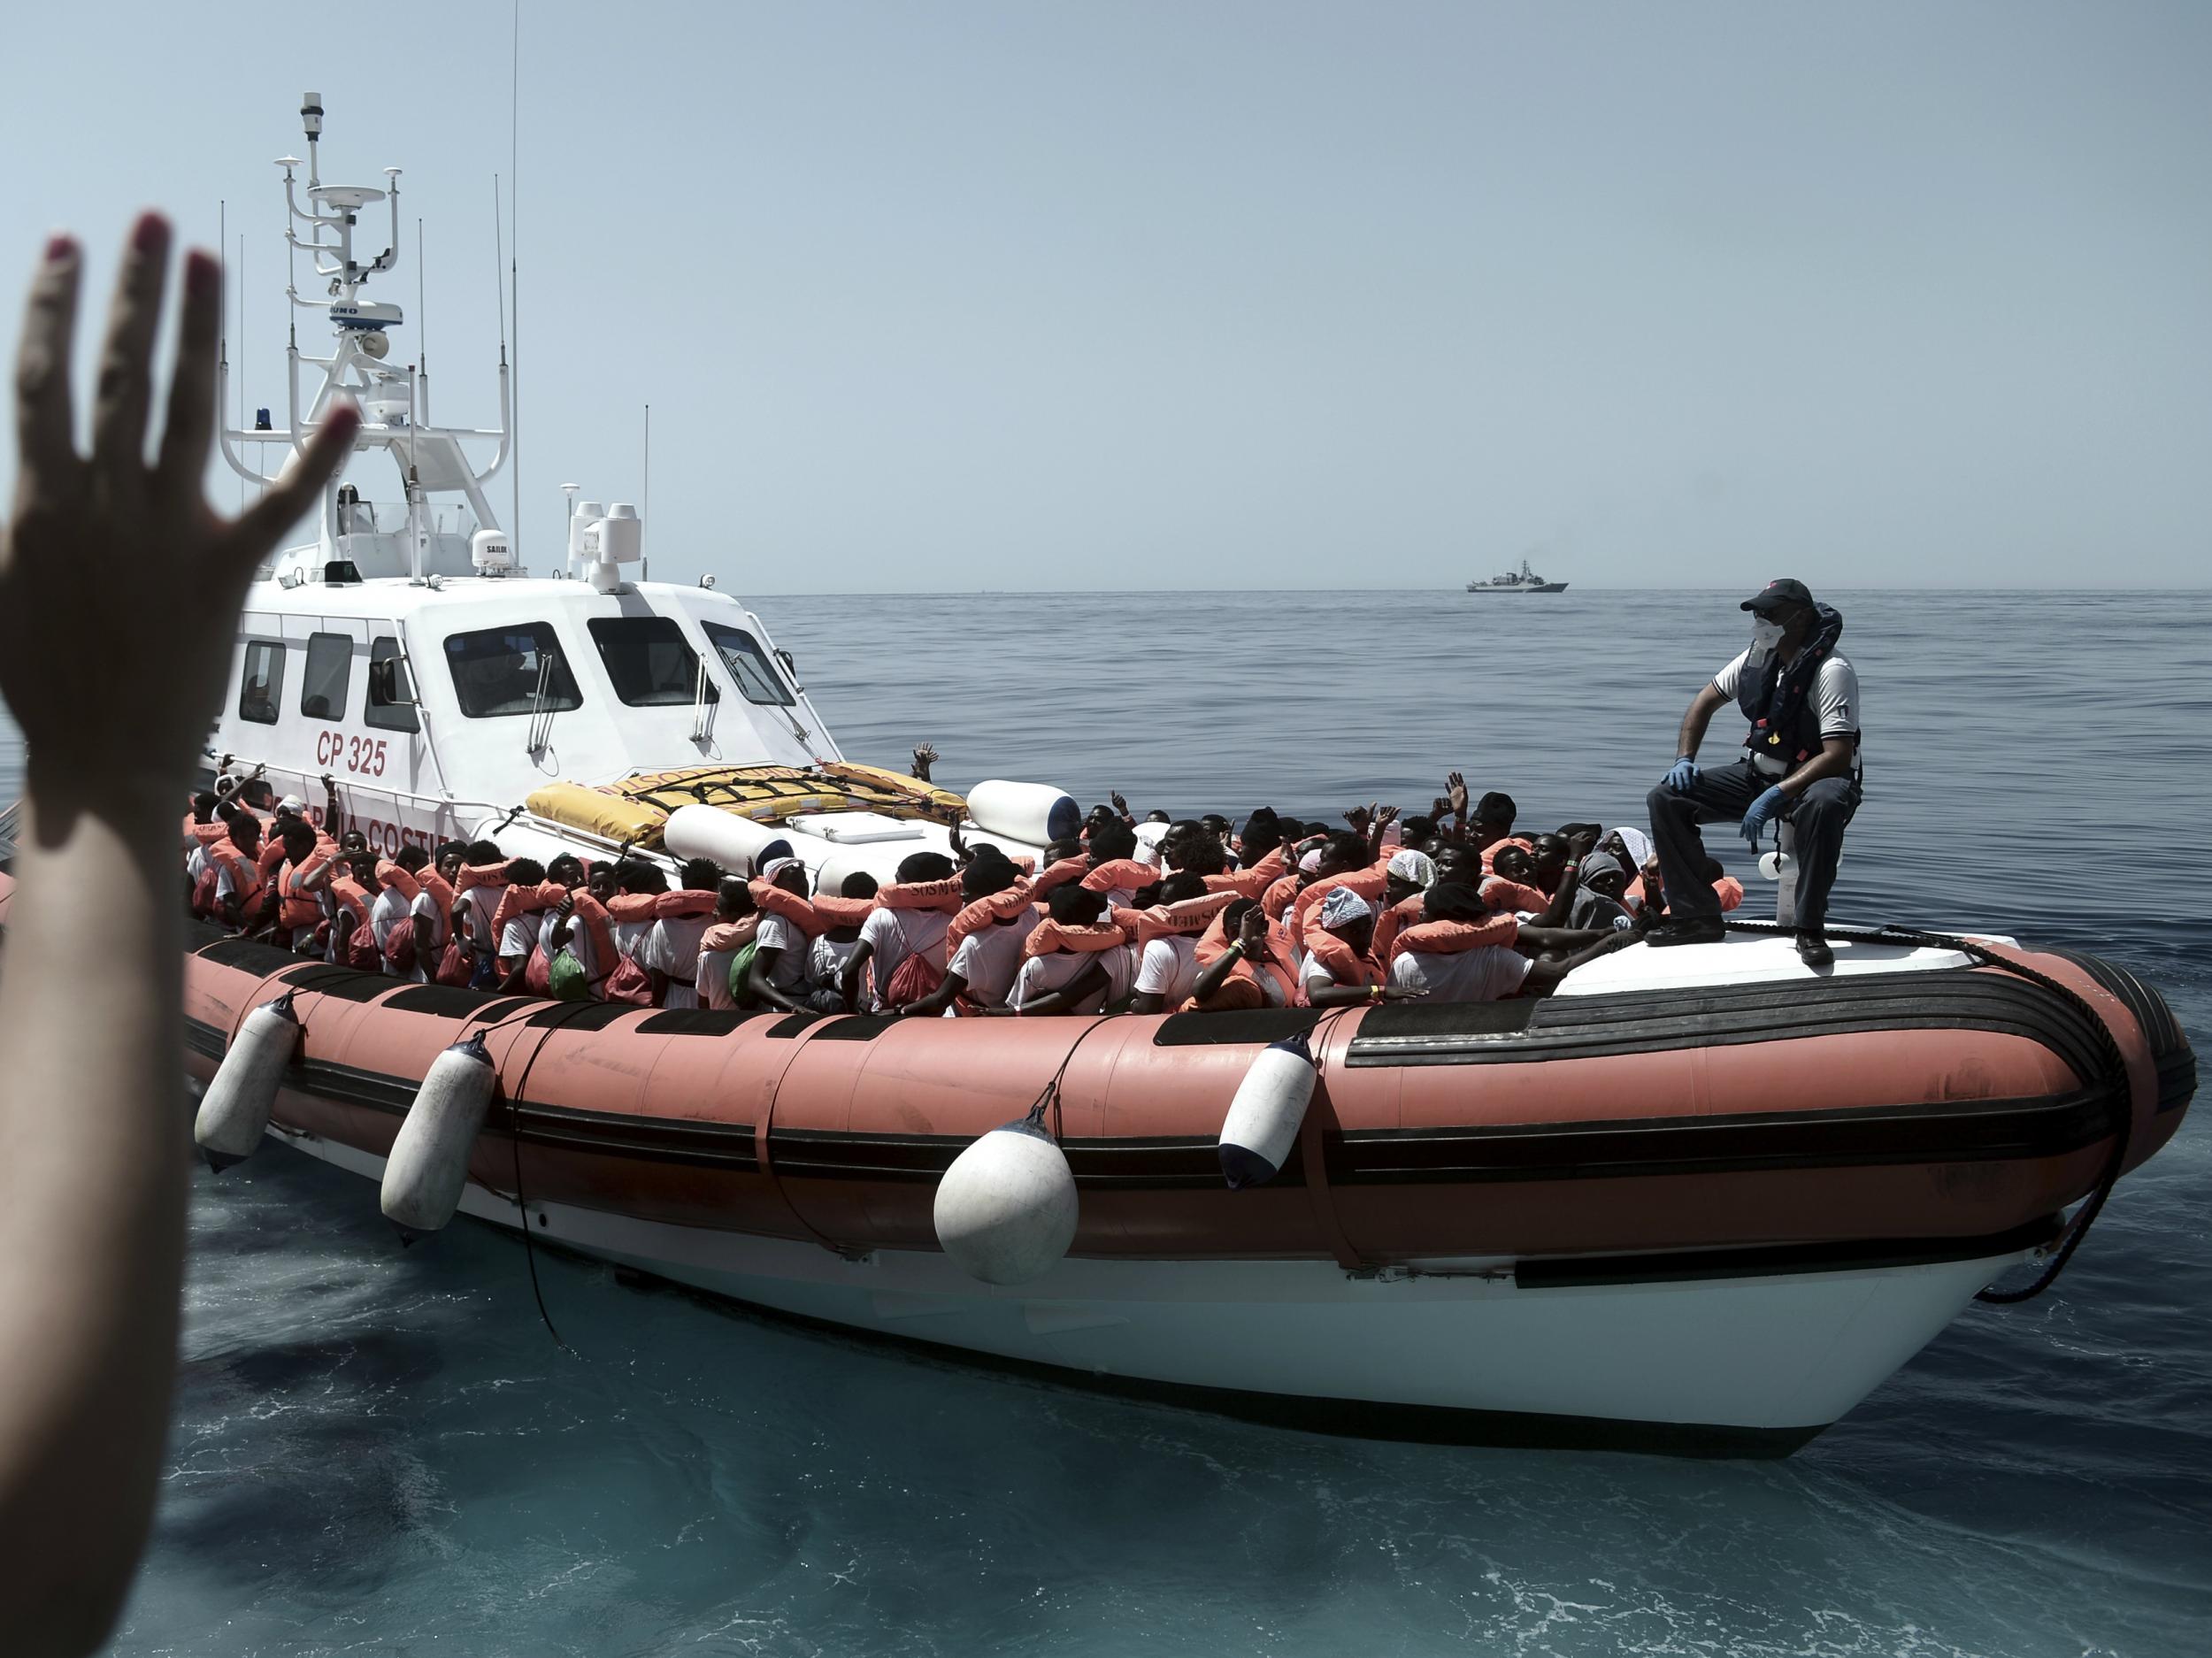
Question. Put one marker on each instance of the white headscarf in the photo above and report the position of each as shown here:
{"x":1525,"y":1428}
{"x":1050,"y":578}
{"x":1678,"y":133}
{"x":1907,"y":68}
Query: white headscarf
{"x":1639,"y":845}
{"x":1343,"y":906}
{"x":1417,"y":867}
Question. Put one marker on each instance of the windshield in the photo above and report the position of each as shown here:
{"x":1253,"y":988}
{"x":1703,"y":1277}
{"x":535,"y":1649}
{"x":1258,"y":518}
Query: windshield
{"x":648,"y":660}
{"x":749,"y":665}
{"x":497,"y":671}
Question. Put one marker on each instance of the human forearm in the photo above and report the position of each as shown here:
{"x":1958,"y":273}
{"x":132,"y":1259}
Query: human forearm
{"x":1696,"y":719}
{"x":91,"y":1239}
{"x":1833,"y":760}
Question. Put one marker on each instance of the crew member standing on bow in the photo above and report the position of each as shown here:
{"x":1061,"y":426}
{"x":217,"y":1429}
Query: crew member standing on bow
{"x":1800,"y":763}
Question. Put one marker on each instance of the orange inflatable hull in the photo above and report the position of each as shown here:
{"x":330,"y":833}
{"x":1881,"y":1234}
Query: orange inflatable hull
{"x":1877,"y":1109}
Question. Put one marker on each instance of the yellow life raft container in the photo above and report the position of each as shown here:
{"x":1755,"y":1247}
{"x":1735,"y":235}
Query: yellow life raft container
{"x":636,"y":811}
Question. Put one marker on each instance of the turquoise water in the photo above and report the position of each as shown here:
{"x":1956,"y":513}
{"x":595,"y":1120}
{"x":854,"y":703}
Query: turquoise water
{"x":382,"y":1451}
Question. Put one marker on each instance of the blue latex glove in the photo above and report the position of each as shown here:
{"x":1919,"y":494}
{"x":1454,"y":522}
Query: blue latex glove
{"x":1763,"y":812}
{"x":1681,"y":774}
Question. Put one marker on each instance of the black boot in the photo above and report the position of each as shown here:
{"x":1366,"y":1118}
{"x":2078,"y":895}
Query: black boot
{"x":1686,"y":930}
{"x":1813,"y":950}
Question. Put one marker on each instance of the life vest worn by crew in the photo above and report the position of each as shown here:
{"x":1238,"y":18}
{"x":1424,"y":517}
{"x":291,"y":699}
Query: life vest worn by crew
{"x":1777,"y":699}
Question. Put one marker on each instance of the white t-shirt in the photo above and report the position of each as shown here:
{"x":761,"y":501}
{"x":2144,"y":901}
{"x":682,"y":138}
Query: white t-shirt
{"x":390,"y":910}
{"x":578,"y":945}
{"x":478,"y":903}
{"x":891,"y":936}
{"x":1149,"y":838}
{"x":709,"y":979}
{"x":1168,"y":969}
{"x":1489,"y":973}
{"x":789,"y":975}
{"x":196,"y":861}
{"x":519,"y":937}
{"x":1042,"y":975}
{"x":990,"y":958}
{"x":826,"y":960}
{"x":425,"y":905}
{"x":672,"y":946}
{"x":1834,"y":696}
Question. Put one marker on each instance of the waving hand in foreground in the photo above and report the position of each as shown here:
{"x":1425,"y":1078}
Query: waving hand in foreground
{"x":119,"y":589}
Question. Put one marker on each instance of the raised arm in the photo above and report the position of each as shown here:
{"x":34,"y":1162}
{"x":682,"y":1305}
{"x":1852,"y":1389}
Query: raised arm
{"x":92,"y":1197}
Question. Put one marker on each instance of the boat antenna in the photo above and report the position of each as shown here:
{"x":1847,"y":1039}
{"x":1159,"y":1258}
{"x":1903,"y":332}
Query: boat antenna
{"x":422,"y":335}
{"x":514,"y":268}
{"x":645,"y":502}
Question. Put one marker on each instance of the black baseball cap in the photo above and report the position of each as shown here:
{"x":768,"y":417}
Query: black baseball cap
{"x":1776,"y":593}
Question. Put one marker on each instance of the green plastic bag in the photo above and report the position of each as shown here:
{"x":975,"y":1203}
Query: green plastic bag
{"x":564,"y":977}
{"x":740,"y":971}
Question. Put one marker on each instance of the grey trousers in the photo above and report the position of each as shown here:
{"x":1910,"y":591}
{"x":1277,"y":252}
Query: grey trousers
{"x":1725,"y":792}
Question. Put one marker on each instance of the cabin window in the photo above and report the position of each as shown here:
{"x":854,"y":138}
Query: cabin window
{"x":323,"y":687}
{"x":262,"y":682}
{"x":648,"y":660}
{"x":385,"y":713}
{"x":748,"y":665}
{"x":500,"y":671}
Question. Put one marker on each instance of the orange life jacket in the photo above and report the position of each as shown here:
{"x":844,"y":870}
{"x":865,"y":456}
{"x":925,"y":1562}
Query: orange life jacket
{"x":1501,"y":894}
{"x":1116,"y":873}
{"x":1241,"y":988}
{"x":944,"y":894}
{"x":1049,"y":936}
{"x":989,"y":909}
{"x":1335,"y":954}
{"x":837,"y":910}
{"x":1449,"y":938}
{"x":1368,"y":883}
{"x":1186,"y":918}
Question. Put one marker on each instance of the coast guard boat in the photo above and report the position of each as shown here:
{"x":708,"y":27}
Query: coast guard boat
{"x":1588,"y":1220}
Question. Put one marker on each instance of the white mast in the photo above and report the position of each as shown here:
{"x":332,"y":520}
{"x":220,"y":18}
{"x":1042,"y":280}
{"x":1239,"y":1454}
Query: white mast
{"x":394,"y":398}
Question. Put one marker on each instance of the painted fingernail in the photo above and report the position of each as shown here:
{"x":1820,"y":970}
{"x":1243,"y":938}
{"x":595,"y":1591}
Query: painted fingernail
{"x":150,"y":234}
{"x":60,"y":246}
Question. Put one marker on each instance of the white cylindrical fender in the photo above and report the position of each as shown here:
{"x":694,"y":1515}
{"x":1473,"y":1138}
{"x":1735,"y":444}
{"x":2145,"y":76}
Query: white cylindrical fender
{"x":429,"y":1164}
{"x":235,"y":1111}
{"x":1006,"y":1210}
{"x":1035,"y":814}
{"x":1264,"y":1117}
{"x":738,"y":844}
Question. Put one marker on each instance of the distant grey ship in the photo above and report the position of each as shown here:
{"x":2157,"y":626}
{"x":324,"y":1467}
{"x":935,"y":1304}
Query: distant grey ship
{"x":1525,"y":580}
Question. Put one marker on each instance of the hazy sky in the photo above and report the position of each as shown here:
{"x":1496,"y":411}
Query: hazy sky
{"x":1234,"y":294}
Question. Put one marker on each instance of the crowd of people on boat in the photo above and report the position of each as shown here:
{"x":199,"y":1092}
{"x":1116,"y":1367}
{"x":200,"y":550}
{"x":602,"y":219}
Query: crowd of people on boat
{"x":1460,"y":904}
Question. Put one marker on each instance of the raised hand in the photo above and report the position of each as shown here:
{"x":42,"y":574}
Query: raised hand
{"x":1385,"y":816}
{"x":1359,"y":817}
{"x":1456,"y":797}
{"x":924,"y":757}
{"x":89,"y":530}
{"x":1120,"y":805}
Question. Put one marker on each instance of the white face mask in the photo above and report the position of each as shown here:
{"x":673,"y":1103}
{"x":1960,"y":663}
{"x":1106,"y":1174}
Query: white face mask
{"x":1765,"y":636}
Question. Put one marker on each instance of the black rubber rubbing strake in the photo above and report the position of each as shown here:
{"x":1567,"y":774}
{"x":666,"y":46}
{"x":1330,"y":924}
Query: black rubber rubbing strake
{"x":248,"y":955}
{"x":326,"y":978}
{"x":579,"y":1016}
{"x":450,"y":1001}
{"x":696,"y":1022}
{"x":1250,"y":1027}
{"x":1713,"y":1015}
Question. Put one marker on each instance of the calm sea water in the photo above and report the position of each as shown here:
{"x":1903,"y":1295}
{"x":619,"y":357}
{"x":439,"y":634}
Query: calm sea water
{"x":379,"y":1451}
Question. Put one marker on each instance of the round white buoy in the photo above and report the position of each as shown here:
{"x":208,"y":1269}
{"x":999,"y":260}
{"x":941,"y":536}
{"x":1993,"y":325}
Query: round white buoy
{"x":429,"y":1164}
{"x":235,"y":1111}
{"x":1006,"y":1210}
{"x":1264,"y":1117}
